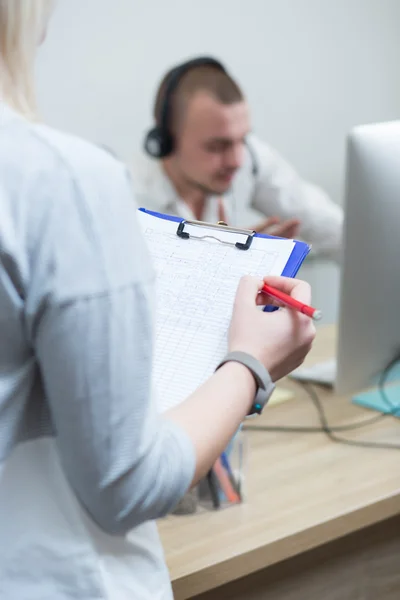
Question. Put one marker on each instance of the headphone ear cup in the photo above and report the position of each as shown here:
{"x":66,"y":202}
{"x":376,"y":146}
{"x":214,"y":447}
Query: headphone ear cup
{"x":158,"y":143}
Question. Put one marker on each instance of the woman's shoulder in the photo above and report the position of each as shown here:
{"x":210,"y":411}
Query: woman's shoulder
{"x":80,"y":156}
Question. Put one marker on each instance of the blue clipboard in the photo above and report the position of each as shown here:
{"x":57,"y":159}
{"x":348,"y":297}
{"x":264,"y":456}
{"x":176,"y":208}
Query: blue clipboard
{"x":299,"y":252}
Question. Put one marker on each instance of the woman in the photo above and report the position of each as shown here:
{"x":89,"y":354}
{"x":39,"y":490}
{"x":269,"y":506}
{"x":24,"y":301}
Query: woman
{"x":85,"y":464}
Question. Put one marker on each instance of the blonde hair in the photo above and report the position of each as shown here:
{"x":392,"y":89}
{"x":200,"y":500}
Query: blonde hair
{"x":22,"y":26}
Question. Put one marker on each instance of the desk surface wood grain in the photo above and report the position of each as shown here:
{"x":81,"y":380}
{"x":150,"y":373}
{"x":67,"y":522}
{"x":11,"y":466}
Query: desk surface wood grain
{"x":303,"y":491}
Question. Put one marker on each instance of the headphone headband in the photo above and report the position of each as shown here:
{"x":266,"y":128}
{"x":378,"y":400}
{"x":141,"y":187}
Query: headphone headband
{"x":159,"y":140}
{"x":175,"y":78}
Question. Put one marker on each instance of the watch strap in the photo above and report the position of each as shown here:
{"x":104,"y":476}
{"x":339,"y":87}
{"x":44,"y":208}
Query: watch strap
{"x":265,"y":386}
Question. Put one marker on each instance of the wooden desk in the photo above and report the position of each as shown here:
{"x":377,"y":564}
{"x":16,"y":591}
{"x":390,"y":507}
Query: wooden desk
{"x":307,"y":499}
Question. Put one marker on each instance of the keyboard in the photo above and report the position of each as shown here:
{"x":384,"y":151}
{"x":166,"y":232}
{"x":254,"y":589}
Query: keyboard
{"x":322,"y":372}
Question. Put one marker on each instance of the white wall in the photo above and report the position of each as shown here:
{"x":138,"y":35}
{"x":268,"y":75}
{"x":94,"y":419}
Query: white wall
{"x":311,"y":68}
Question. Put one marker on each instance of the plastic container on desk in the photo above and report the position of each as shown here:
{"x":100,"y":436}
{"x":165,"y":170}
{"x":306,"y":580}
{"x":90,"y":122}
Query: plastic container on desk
{"x":224,"y":485}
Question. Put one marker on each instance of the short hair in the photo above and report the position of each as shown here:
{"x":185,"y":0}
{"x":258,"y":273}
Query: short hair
{"x":22,"y":24}
{"x":208,"y":78}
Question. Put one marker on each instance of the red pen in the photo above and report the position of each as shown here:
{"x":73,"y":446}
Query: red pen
{"x":311,"y":312}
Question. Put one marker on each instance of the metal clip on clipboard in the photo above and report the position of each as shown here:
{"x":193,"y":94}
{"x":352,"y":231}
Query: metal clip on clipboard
{"x":218,"y":227}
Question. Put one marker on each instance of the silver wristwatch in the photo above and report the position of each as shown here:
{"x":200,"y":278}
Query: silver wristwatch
{"x":265,"y":387}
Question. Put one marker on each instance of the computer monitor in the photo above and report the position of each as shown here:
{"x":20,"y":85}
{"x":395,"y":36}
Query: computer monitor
{"x":369,"y":313}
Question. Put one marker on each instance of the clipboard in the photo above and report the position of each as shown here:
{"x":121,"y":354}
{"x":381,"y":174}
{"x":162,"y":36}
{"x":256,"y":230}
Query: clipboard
{"x":198,"y":267}
{"x":298,"y":255}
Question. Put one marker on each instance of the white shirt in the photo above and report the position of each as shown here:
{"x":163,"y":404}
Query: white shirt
{"x":86,"y":465}
{"x":274,"y":190}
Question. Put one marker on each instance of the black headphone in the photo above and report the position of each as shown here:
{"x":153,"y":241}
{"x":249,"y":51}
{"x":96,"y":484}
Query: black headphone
{"x":159,"y":141}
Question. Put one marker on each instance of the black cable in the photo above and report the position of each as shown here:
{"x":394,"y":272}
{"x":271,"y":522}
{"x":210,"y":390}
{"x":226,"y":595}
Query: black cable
{"x":331,"y":431}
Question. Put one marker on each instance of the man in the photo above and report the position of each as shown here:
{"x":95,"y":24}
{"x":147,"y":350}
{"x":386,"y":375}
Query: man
{"x":201,"y":162}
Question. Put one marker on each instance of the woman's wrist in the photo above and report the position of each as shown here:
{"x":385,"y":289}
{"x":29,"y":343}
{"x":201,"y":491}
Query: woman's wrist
{"x":262,"y":379}
{"x":243,"y":378}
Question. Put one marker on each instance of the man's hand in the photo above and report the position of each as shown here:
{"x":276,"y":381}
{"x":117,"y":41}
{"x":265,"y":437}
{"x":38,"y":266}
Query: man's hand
{"x":269,"y":226}
{"x":274,"y":226}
